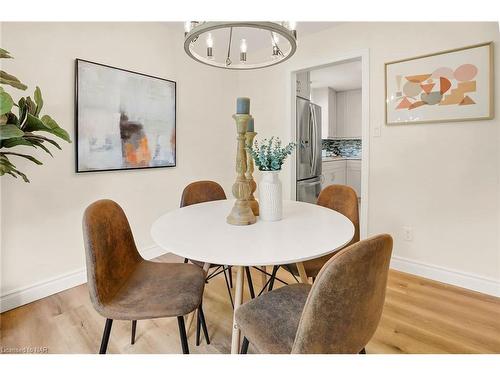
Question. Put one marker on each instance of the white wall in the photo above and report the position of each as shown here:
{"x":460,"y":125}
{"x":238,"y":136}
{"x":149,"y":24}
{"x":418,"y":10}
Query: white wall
{"x":440,"y":179}
{"x":41,"y":221}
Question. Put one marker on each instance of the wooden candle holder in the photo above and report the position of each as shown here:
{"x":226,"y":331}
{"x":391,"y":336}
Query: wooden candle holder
{"x":254,"y":205}
{"x":241,"y":213}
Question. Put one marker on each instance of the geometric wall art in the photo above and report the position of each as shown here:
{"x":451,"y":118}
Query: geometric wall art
{"x":124,"y":119}
{"x":454,"y":85}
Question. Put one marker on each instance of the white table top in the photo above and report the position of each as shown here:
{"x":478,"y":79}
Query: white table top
{"x":200,"y":232}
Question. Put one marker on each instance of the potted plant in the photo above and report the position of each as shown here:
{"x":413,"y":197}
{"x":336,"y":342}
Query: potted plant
{"x":269,"y":156}
{"x":22,"y":128}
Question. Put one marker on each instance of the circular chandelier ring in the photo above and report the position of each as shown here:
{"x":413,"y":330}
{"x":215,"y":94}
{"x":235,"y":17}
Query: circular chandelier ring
{"x":205,"y":27}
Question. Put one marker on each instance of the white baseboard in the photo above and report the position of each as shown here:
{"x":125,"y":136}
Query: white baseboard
{"x":22,"y":296}
{"x":18,"y":297}
{"x":449,"y":276}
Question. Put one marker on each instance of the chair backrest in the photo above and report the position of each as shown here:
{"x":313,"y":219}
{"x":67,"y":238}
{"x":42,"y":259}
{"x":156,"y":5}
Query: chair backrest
{"x":344,"y":306}
{"x":343,"y":199}
{"x":202,"y":191}
{"x":110,"y":250}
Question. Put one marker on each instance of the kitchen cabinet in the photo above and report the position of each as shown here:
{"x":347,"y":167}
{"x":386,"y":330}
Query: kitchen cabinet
{"x":353,"y":175}
{"x":303,"y":85}
{"x":334,"y":172}
{"x":325,"y":97}
{"x":348,"y":114}
{"x":342,"y":172}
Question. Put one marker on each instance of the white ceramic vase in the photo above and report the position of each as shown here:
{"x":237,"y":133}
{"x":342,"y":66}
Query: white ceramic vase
{"x":270,"y":196}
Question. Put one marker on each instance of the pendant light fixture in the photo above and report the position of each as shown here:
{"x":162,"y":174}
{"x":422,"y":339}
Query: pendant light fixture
{"x":240,"y":45}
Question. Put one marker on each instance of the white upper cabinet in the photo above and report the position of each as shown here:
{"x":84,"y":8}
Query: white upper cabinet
{"x":303,"y":85}
{"x":326,"y":98}
{"x":348,"y":114}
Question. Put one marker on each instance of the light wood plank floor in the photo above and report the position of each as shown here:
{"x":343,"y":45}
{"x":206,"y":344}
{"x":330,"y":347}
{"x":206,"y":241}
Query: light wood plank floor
{"x":420,"y":316}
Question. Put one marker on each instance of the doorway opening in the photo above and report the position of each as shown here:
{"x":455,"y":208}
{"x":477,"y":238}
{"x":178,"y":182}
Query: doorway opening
{"x":330,"y":124}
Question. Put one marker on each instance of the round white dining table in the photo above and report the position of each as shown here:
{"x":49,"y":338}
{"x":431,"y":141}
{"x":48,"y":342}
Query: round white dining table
{"x":200,"y":232}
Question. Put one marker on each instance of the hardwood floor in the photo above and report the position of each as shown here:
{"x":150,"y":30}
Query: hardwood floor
{"x":420,"y":316}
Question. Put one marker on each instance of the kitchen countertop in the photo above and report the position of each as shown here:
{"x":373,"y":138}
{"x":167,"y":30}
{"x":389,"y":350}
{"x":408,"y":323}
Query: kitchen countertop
{"x":333,"y":158}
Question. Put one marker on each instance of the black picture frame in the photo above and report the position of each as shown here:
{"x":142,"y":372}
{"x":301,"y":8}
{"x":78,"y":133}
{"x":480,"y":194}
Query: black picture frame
{"x":77,"y":170}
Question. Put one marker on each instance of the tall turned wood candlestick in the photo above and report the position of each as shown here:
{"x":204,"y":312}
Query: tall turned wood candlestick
{"x":254,"y":205}
{"x":241,"y":214}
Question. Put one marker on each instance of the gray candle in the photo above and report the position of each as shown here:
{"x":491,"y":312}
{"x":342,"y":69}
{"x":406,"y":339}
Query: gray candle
{"x":250,"y":126}
{"x":243,"y":106}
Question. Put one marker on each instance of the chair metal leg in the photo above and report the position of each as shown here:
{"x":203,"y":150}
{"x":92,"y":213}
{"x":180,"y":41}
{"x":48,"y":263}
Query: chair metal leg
{"x":363,"y":351}
{"x":230,"y":277}
{"x":229,"y":289}
{"x":250,"y":284}
{"x":273,"y":275}
{"x":244,"y":346}
{"x":134,"y":327}
{"x":201,"y":315}
{"x":105,"y":336}
{"x":198,"y":328}
{"x":182,"y":333}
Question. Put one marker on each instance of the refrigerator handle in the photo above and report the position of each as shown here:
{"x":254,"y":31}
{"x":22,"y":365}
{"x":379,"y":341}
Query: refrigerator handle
{"x":313,"y":140}
{"x":311,"y":137}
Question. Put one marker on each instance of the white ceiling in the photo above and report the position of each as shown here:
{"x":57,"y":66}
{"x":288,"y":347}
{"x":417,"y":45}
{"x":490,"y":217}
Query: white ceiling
{"x":340,"y":77}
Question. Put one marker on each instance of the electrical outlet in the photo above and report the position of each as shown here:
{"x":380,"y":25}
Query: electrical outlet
{"x":377,"y":131}
{"x":408,"y":233}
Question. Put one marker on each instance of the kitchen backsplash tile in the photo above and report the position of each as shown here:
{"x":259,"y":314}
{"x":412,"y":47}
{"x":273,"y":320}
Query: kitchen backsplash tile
{"x":342,"y":147}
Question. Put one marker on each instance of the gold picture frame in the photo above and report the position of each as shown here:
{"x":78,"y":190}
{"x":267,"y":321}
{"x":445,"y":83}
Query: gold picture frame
{"x":453,"y":100}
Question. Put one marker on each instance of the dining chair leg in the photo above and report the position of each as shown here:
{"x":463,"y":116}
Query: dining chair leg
{"x":230,"y":277}
{"x":105,"y":336}
{"x":203,"y":324}
{"x":273,"y":275}
{"x":198,"y":328}
{"x":250,"y":284}
{"x":363,"y":351}
{"x":229,"y":288}
{"x":134,"y":328}
{"x":244,"y":346}
{"x":182,"y":334}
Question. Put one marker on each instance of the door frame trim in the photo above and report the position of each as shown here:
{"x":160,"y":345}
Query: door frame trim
{"x":315,"y":63}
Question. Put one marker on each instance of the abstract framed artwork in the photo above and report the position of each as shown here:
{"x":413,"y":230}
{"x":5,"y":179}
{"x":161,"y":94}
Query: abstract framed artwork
{"x":454,"y":85}
{"x":124,"y":119}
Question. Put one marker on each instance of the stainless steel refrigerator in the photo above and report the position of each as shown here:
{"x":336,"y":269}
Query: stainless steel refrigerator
{"x":308,"y":150}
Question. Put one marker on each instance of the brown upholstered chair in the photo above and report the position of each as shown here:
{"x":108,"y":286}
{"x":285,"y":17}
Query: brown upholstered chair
{"x":339,"y":313}
{"x":200,"y":192}
{"x":340,"y":198}
{"x":124,"y":286}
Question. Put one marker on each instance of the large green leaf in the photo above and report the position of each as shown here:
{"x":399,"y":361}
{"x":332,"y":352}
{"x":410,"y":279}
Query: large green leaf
{"x":6,"y":167}
{"x":7,"y":79}
{"x":6,"y":103}
{"x":4,"y":54}
{"x":37,"y":143}
{"x":32,"y":137}
{"x":10,"y":131}
{"x":31,"y":106}
{"x":56,"y":129}
{"x":12,"y":119}
{"x":34,"y":124}
{"x":29,"y":157}
{"x":38,"y":100}
{"x":22,"y":110}
{"x":47,"y":124}
{"x":13,"y":142}
{"x":3,"y":119}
